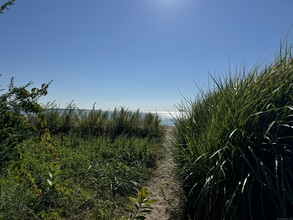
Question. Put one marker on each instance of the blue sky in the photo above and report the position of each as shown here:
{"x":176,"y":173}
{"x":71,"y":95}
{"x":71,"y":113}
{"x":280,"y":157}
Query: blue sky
{"x":141,"y":54}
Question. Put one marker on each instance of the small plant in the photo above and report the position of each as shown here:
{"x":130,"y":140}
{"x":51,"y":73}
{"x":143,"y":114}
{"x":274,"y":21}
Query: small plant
{"x":140,"y":206}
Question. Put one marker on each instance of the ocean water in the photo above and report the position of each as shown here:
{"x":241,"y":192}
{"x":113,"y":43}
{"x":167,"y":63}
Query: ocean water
{"x":166,"y":120}
{"x":167,"y":117}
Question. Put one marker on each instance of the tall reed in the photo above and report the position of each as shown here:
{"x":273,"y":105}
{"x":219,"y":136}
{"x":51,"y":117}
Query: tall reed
{"x":97,"y":123}
{"x":234,"y":146}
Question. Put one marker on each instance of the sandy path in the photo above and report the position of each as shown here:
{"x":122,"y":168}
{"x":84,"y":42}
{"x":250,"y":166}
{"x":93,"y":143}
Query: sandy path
{"x":162,"y":186}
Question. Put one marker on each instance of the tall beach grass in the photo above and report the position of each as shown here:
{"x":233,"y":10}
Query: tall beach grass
{"x":234,"y":146}
{"x":98,"y":123}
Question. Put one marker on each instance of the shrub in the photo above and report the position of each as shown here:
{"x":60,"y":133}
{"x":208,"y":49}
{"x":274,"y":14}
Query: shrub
{"x":18,"y":109}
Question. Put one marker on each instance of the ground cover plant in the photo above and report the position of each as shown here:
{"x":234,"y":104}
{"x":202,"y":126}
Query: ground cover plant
{"x":234,"y":146}
{"x":70,"y":164}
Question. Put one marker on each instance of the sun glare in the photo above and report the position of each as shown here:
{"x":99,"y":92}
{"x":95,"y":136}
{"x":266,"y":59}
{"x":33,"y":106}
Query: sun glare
{"x":171,"y":4}
{"x":168,"y":8}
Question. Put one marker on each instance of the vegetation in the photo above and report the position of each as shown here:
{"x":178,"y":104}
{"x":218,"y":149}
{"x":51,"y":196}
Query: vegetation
{"x":6,"y":5}
{"x":141,"y":205}
{"x":98,"y":123}
{"x":234,"y":146}
{"x":65,"y":164}
{"x":234,"y":150}
{"x":16,"y":108}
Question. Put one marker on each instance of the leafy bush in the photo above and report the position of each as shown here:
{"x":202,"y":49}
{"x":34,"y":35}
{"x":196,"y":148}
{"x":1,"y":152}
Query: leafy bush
{"x":18,"y":110}
{"x":235,"y":146}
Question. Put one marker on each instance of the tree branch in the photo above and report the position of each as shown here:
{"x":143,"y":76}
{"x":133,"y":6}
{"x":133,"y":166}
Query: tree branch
{"x":6,"y":5}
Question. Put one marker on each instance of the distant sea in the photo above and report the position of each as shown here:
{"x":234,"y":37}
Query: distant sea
{"x":167,"y":117}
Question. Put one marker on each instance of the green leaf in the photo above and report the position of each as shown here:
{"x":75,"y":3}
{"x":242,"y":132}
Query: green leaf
{"x":143,"y":192}
{"x":139,"y":197}
{"x":49,"y":182}
{"x":150,"y":201}
{"x":132,"y":200}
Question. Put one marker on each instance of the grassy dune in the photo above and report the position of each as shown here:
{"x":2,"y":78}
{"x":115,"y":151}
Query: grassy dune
{"x":70,"y":164}
{"x":235,"y":146}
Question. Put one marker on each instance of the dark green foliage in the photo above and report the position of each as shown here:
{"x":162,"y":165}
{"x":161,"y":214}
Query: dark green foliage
{"x":85,"y":170}
{"x":78,"y":179}
{"x":235,"y":146}
{"x":19,"y":112}
{"x":6,"y":5}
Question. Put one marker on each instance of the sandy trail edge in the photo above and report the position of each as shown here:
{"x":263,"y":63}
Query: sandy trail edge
{"x":162,"y":185}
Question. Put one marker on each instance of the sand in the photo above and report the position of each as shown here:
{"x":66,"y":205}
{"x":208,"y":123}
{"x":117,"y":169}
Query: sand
{"x":163,"y":186}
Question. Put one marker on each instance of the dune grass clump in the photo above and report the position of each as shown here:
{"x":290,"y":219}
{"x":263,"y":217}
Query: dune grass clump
{"x":235,"y":146}
{"x":87,"y":123}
